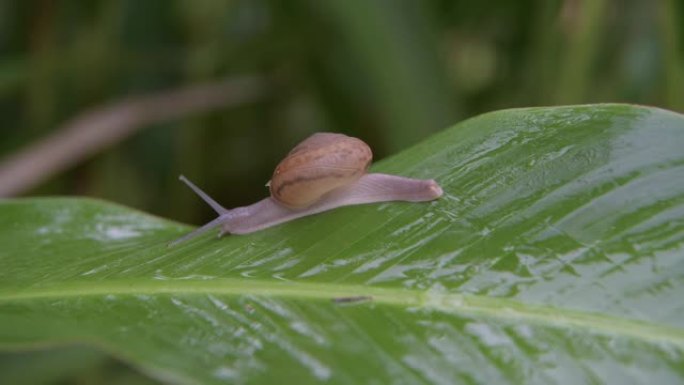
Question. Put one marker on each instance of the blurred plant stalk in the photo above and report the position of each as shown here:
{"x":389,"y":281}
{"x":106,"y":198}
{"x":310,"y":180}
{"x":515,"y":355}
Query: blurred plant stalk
{"x":94,"y":131}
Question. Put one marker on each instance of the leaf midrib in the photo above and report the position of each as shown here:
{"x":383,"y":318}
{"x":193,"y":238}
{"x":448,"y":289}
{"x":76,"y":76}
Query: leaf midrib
{"x":462,"y":304}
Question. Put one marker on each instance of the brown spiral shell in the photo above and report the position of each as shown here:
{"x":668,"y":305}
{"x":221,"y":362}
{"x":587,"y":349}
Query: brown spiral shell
{"x":321,"y":163}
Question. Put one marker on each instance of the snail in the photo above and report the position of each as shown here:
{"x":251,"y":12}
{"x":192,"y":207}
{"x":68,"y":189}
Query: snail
{"x":324,"y":172}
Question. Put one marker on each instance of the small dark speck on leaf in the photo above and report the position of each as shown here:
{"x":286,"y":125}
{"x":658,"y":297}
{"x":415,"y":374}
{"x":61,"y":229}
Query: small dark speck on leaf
{"x":345,"y":300}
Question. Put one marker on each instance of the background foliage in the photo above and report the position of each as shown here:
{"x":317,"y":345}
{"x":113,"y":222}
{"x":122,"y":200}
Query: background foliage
{"x":391,"y":72}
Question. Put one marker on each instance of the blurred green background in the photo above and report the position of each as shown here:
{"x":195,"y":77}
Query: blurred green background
{"x":389,"y":71}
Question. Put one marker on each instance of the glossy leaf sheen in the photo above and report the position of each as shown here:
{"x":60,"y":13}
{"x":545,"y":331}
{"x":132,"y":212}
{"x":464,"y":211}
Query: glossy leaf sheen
{"x":555,"y":256}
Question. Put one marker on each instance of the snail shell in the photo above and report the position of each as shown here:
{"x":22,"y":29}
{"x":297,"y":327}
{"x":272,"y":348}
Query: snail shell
{"x":320,"y":164}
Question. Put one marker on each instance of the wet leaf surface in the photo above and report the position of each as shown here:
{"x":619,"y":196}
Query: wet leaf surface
{"x":555,"y":256}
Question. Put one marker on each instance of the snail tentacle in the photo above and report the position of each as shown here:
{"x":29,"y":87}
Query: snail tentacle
{"x":205,"y":197}
{"x":224,"y":213}
{"x":199,"y":231}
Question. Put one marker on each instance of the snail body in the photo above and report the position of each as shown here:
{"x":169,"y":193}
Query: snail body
{"x":323,"y":172}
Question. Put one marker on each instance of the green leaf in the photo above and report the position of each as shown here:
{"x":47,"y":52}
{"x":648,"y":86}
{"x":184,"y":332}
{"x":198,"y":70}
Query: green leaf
{"x":556,"y":255}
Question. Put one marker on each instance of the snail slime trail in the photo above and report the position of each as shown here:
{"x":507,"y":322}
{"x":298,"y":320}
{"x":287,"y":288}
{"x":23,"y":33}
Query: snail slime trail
{"x":324,"y":172}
